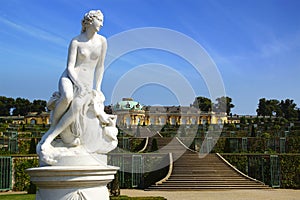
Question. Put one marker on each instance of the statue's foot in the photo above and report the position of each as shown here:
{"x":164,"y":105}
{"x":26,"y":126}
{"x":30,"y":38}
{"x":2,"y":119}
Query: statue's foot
{"x":49,"y":160}
{"x":47,"y":153}
{"x":46,"y":146}
{"x":76,"y":142}
{"x":111,"y":132}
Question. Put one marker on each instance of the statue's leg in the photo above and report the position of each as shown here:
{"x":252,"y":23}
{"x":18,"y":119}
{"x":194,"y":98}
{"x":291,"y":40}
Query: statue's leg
{"x":62,"y":105}
{"x":66,"y":92}
{"x":44,"y":149}
{"x":64,"y":122}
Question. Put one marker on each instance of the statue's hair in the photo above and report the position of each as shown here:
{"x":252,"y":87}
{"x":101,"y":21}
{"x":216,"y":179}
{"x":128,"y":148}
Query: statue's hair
{"x":88,"y":19}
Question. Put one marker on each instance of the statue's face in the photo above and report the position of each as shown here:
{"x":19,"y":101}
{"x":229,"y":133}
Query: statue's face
{"x":97,"y":23}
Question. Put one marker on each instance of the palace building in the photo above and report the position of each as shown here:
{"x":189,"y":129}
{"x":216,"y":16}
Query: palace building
{"x":131,"y":112}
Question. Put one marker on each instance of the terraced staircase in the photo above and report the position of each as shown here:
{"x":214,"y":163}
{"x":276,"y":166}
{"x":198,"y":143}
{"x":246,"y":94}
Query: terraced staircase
{"x":190,"y":172}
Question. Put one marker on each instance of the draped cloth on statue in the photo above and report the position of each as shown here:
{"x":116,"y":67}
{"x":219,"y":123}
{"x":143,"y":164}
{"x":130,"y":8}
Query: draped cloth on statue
{"x":92,"y":134}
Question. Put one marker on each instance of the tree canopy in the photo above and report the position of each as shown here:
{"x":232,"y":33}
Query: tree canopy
{"x":223,"y":104}
{"x":203,"y":103}
{"x":20,"y":106}
{"x":5,"y":105}
{"x":273,"y":107}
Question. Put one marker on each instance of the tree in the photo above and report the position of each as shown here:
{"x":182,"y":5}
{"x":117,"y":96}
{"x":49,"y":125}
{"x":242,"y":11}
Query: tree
{"x":203,"y":103}
{"x":38,"y":106}
{"x":115,"y":186}
{"x":288,"y":108}
{"x":21,"y":107}
{"x":224,"y":105}
{"x":284,"y":108}
{"x":227,"y":148}
{"x":32,"y":147}
{"x":253,"y":133}
{"x":6,"y":105}
{"x":154,"y":146}
{"x":268,"y":107}
{"x":262,"y":107}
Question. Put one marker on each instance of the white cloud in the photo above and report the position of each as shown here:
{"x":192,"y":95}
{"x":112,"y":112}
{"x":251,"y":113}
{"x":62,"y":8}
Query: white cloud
{"x":34,"y":32}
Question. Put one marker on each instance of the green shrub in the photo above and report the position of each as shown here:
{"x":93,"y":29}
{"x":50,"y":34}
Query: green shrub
{"x":290,"y":171}
{"x":154,"y":146}
{"x":115,"y":186}
{"x":137,"y":144}
{"x":23,"y":146}
{"x":289,"y":168}
{"x":239,"y":161}
{"x":21,"y":178}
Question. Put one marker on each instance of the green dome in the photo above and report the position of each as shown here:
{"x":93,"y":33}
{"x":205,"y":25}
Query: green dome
{"x":128,"y":104}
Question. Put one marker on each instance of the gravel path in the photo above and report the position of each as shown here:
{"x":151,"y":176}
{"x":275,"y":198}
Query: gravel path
{"x":270,"y":194}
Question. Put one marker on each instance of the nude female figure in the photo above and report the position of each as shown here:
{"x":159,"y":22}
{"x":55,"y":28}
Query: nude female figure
{"x":84,"y":72}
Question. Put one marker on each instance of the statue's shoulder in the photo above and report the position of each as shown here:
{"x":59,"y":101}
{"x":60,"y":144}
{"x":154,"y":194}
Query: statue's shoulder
{"x":74,"y":42}
{"x":76,"y":39}
{"x":102,"y":38}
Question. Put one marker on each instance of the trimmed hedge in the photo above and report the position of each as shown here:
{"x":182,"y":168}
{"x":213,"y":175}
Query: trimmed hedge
{"x":21,"y":178}
{"x":289,"y":168}
{"x":290,"y":171}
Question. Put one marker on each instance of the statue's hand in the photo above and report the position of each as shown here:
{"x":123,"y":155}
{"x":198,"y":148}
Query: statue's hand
{"x":104,"y":118}
{"x":82,"y":89}
{"x":112,"y":120}
{"x":46,"y":152}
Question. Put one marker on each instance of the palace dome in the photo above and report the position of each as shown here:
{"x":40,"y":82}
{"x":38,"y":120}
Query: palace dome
{"x":127,"y":104}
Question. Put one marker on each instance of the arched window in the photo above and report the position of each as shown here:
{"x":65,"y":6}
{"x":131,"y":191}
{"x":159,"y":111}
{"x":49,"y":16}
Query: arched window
{"x":193,"y":120}
{"x":128,"y":121}
{"x":173,"y":121}
{"x":152,"y":121}
{"x":32,"y":121}
{"x":162,"y":120}
{"x":183,"y":121}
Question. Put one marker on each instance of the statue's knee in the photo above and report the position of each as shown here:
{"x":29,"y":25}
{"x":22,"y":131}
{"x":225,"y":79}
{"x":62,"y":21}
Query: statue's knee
{"x":66,"y":99}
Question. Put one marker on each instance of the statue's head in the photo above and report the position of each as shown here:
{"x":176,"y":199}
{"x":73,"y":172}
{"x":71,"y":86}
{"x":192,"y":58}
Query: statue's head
{"x":89,"y":17}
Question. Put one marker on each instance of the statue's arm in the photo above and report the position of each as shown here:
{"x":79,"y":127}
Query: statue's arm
{"x":100,"y":65}
{"x":72,"y":54}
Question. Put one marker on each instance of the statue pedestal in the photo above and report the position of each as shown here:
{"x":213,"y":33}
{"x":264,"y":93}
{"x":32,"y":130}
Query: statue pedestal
{"x":72,"y":182}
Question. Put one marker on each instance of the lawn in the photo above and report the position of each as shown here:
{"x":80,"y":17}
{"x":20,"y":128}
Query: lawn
{"x":17,"y":197}
{"x":32,"y":197}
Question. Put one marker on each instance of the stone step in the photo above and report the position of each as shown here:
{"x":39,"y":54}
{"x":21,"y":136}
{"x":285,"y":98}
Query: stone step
{"x":195,"y":176}
{"x":157,"y":188}
{"x":201,"y":181}
{"x":193,"y":172}
{"x":205,"y":177}
{"x":209,"y":180}
{"x":201,"y":171}
{"x":203,"y":167}
{"x":206,"y":184}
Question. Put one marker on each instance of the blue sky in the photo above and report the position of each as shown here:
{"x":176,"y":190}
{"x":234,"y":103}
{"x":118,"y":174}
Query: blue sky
{"x":255,"y":45}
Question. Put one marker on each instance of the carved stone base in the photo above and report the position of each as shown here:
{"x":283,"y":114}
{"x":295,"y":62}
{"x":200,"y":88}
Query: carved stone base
{"x":72,"y":182}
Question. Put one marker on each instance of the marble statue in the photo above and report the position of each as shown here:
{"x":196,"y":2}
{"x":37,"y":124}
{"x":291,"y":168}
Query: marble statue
{"x":72,"y":153}
{"x":77,"y":109}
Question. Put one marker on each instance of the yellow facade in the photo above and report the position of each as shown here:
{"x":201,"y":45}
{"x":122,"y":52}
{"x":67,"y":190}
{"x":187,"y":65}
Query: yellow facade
{"x":130,"y":112}
{"x":35,"y":118}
